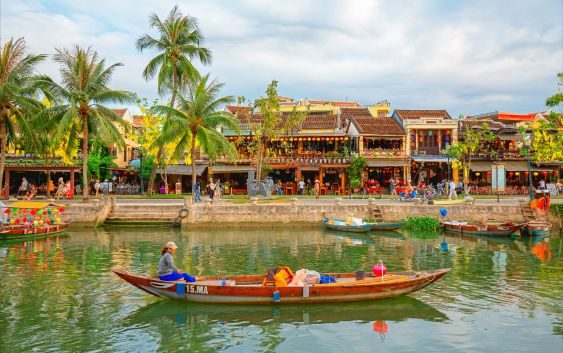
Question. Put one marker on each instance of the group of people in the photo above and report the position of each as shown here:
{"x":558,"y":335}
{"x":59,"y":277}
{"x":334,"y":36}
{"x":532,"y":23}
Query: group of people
{"x":214,"y":190}
{"x":30,"y":190}
{"x":316,"y":187}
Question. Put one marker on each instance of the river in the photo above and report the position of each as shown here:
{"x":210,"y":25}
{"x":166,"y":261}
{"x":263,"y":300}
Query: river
{"x":59,"y":295}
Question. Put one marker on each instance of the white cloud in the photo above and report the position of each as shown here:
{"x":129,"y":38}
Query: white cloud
{"x":465,"y":57}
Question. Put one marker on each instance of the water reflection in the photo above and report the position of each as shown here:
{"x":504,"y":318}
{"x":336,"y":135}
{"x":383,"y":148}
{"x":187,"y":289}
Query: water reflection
{"x":177,"y":321}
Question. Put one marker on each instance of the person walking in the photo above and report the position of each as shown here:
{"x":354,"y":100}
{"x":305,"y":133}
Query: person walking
{"x":301,"y":187}
{"x":392,"y":189}
{"x":196,"y":190}
{"x":317,"y":188}
{"x":453,"y":193}
{"x":178,"y":187}
{"x":211,"y":189}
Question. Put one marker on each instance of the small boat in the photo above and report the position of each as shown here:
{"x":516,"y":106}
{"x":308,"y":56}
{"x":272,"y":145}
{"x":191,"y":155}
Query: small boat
{"x":453,"y":202}
{"x":343,"y":225}
{"x":46,"y":224}
{"x":387,"y":225}
{"x":502,"y":229}
{"x":535,"y":228}
{"x":248,"y":289}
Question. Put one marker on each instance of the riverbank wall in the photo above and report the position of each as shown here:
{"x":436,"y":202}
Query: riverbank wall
{"x":311,"y":213}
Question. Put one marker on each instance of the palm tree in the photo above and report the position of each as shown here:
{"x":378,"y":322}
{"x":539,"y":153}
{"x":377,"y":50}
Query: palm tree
{"x":194,"y":121}
{"x":18,"y":85}
{"x":84,"y":93}
{"x":178,"y":44}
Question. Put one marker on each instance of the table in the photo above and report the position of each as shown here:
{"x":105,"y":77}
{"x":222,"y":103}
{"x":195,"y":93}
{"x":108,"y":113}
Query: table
{"x":288,"y":190}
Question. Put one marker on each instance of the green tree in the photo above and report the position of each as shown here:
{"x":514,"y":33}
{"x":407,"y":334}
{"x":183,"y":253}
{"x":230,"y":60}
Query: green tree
{"x":18,"y":88}
{"x":179,"y":42}
{"x":355,"y":171}
{"x":473,"y":138}
{"x":271,"y":124}
{"x":84,"y":93}
{"x":194,"y":122}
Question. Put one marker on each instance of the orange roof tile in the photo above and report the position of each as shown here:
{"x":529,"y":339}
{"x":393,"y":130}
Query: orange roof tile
{"x":377,"y":125}
{"x":238,"y":108}
{"x":120,"y":112}
{"x":419,"y":113}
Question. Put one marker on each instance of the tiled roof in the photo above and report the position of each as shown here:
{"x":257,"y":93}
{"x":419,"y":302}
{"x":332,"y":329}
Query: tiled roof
{"x":348,"y":113}
{"x":138,"y":120}
{"x":473,"y":123}
{"x":238,"y":108}
{"x":377,"y":125}
{"x":417,"y":114}
{"x":506,"y":117}
{"x":120,"y":112}
{"x":319,"y":121}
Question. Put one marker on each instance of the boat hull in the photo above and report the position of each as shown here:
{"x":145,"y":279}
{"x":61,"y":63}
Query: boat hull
{"x":490,"y":230}
{"x":25,"y":233}
{"x":210,"y":290}
{"x":536,"y":228}
{"x":346,"y":228}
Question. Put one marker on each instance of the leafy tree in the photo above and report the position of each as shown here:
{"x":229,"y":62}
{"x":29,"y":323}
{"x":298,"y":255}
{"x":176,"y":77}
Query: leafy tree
{"x":193,"y":123}
{"x":179,"y":42}
{"x":18,"y":86}
{"x":270,"y":126}
{"x":84,"y":93}
{"x":355,"y":171}
{"x":472,"y":139}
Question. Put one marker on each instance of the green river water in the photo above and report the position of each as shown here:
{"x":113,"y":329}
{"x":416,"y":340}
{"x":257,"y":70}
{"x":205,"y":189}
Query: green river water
{"x":59,"y":295}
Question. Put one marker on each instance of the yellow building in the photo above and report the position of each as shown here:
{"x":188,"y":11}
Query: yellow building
{"x":124,"y":156}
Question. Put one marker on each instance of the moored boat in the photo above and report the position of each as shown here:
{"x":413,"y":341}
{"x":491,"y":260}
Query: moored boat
{"x":387,"y":225}
{"x":249,"y":289}
{"x":502,"y":229}
{"x":344,"y":225}
{"x":536,"y":228}
{"x":27,"y":220}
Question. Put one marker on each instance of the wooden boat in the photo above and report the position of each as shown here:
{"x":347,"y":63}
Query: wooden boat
{"x":29,"y":231}
{"x":387,"y":225}
{"x":249,"y":289}
{"x":503,"y":229}
{"x":452,"y":202}
{"x":340,"y":224}
{"x":535,"y":228}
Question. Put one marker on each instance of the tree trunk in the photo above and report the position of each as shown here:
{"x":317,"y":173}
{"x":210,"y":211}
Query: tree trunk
{"x":152,"y":177}
{"x":259,"y":161}
{"x":4,"y":143}
{"x":192,"y":153}
{"x":160,"y":152}
{"x":85,"y":134}
{"x":48,"y":182}
{"x":466,"y":177}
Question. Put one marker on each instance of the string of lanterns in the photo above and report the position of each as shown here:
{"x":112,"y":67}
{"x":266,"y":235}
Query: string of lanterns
{"x":33,"y":217}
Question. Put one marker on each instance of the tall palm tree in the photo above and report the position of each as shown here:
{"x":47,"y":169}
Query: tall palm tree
{"x":18,"y":85}
{"x":193,"y":123}
{"x":84,"y":93}
{"x":177,"y":45}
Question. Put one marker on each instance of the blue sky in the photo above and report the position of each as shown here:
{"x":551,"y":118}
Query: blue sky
{"x":468,"y":57}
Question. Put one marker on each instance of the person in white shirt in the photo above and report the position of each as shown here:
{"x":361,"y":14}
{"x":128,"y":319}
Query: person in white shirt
{"x":453,"y":193}
{"x":301,"y":186}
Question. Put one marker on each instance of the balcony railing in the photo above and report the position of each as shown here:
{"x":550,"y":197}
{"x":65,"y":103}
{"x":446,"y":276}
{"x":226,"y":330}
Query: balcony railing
{"x":499,"y":155}
{"x":295,"y":159}
{"x":379,"y":153}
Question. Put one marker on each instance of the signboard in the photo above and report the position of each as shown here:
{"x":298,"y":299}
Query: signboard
{"x":499,"y":177}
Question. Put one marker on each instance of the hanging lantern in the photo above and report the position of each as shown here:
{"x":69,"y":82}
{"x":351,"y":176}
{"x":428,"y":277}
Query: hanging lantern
{"x":510,"y":173}
{"x":421,"y":139}
{"x":346,"y":139}
{"x":291,"y":139}
{"x":477,"y":173}
{"x":489,"y":173}
{"x":517,"y":173}
{"x":308,"y":139}
{"x":535,"y":173}
{"x":526,"y":173}
{"x":544,"y":172}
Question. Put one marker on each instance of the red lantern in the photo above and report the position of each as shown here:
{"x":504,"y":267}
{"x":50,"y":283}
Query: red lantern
{"x":544,"y":172}
{"x":489,"y":173}
{"x":33,"y":212}
{"x":62,"y":209}
{"x":124,"y":173}
{"x":510,"y":173}
{"x":7,"y":210}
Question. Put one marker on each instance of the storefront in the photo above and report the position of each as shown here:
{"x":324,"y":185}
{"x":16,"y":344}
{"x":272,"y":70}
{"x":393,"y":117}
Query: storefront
{"x":517,"y":173}
{"x":429,"y":169}
{"x":233,"y":177}
{"x":383,"y":170}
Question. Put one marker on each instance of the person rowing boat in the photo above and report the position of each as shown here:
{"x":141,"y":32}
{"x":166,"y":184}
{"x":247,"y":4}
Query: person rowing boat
{"x":166,"y":269}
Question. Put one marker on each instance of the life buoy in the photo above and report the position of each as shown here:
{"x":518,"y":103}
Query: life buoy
{"x":183,"y":213}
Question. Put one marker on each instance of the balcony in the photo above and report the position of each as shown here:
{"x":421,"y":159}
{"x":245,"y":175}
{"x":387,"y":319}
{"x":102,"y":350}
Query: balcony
{"x":499,"y":155}
{"x":384,"y":153}
{"x":294,"y":159}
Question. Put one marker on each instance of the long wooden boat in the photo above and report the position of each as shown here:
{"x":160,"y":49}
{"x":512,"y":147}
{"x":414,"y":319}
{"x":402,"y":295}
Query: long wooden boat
{"x":387,"y":225}
{"x":20,"y":231}
{"x":536,"y":228}
{"x":503,"y":229}
{"x":340,"y":224}
{"x":249,"y":289}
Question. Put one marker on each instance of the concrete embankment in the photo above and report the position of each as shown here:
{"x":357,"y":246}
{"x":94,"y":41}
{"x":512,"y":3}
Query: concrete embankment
{"x":272,"y":214}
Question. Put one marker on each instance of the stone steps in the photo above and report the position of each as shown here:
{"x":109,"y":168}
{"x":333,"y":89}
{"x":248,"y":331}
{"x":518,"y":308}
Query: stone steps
{"x":144,"y":215}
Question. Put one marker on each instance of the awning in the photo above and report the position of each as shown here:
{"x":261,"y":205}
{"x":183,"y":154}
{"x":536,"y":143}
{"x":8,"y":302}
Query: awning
{"x":310,"y":168}
{"x":387,"y":163}
{"x":509,"y":166}
{"x":184,"y":169}
{"x":481,"y":166}
{"x":231,"y":168}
